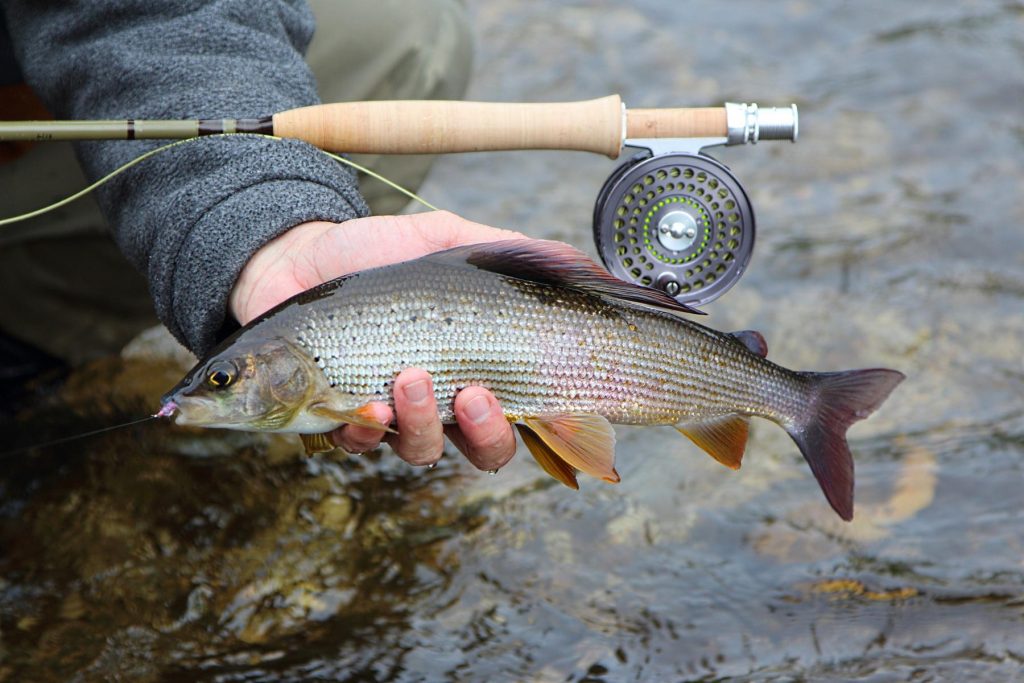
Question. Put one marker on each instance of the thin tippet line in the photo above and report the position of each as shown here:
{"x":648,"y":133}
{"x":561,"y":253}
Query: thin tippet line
{"x":66,"y":439}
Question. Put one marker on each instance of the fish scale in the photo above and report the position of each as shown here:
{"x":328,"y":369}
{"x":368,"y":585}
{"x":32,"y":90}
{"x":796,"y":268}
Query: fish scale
{"x":541,"y":349}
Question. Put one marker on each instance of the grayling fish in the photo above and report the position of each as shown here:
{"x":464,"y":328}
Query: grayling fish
{"x":565,"y":347}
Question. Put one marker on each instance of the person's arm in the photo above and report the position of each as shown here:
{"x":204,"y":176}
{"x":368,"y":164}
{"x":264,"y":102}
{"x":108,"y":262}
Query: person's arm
{"x":192,"y":217}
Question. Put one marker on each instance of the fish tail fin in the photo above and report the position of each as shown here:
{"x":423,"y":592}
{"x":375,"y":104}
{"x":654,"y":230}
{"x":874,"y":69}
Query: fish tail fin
{"x":838,"y":399}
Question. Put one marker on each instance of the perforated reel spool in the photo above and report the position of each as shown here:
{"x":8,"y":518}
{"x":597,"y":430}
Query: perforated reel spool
{"x":678,"y":222}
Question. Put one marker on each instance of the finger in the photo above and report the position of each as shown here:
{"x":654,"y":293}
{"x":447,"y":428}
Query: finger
{"x":483,"y":433}
{"x":356,"y":439}
{"x":420,"y":440}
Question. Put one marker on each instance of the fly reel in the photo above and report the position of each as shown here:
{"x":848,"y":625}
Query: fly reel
{"x":676,"y":219}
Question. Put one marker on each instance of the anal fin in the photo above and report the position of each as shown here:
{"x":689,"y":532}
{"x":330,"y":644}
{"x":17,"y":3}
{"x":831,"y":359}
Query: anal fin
{"x":549,"y":461}
{"x":723,"y":438}
{"x":317,"y":443}
{"x":586,"y":442}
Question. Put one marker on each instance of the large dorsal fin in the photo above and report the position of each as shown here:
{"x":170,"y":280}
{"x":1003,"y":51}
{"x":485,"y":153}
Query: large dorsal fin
{"x":556,"y":263}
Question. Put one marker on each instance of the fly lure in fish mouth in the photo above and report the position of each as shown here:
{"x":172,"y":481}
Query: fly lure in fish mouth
{"x":167,"y":409}
{"x":566,"y":348}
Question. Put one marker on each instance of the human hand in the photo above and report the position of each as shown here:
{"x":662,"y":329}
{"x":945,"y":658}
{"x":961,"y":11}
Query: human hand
{"x":316,"y":252}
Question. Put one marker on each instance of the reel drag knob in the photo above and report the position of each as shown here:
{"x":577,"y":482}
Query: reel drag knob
{"x":678,"y":222}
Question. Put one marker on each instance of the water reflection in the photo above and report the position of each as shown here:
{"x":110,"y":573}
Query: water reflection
{"x":205,"y":563}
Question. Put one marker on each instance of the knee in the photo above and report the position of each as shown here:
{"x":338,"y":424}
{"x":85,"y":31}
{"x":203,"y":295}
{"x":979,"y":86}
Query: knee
{"x":391,"y":49}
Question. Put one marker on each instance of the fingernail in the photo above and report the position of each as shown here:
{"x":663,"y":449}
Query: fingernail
{"x":417,"y":391}
{"x":478,"y":409}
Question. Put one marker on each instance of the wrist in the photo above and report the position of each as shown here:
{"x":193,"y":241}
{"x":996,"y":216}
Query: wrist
{"x":270,"y":272}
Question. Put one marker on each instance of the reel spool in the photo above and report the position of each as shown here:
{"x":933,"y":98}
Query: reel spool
{"x":678,"y":222}
{"x":676,"y":219}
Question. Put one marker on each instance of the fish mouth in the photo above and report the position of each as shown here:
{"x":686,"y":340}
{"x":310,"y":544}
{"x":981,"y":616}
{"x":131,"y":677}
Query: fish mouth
{"x":185,"y":411}
{"x":195,"y":411}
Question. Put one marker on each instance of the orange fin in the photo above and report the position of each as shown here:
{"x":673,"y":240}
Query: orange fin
{"x":362,"y":416}
{"x":548,"y":459}
{"x":587,"y":442}
{"x":723,"y":438}
{"x":316,"y":443}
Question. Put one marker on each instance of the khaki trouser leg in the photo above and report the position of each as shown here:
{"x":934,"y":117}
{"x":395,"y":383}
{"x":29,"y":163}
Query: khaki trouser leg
{"x":64,"y":286}
{"x":391,"y":50}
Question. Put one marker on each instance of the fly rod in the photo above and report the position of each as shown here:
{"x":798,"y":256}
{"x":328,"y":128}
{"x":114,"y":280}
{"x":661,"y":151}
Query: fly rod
{"x":603,"y":126}
{"x":669,"y":217}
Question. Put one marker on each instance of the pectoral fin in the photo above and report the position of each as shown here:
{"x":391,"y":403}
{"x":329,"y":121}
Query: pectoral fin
{"x":362,"y":416}
{"x":723,"y":438}
{"x":586,"y":442}
{"x":549,"y":461}
{"x":316,"y":443}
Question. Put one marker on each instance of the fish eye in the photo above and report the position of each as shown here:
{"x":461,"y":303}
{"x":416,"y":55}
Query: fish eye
{"x":221,"y":374}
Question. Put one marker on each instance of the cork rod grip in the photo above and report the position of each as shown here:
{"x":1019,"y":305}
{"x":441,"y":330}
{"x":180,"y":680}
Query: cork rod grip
{"x":698,"y":122}
{"x":434,"y":127}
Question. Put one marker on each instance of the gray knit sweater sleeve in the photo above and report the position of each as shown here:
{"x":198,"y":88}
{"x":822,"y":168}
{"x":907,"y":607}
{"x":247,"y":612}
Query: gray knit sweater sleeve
{"x":191,"y":217}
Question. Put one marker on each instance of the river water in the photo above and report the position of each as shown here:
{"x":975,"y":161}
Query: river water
{"x":889,"y":235}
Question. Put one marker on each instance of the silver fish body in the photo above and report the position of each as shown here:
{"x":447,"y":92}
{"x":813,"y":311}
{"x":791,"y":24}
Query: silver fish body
{"x":565,"y":348}
{"x":541,"y":349}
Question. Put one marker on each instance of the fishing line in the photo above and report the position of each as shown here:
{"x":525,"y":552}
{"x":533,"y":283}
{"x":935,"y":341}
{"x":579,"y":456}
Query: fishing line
{"x":153,"y":152}
{"x":75,"y":437}
{"x":376,"y":176}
